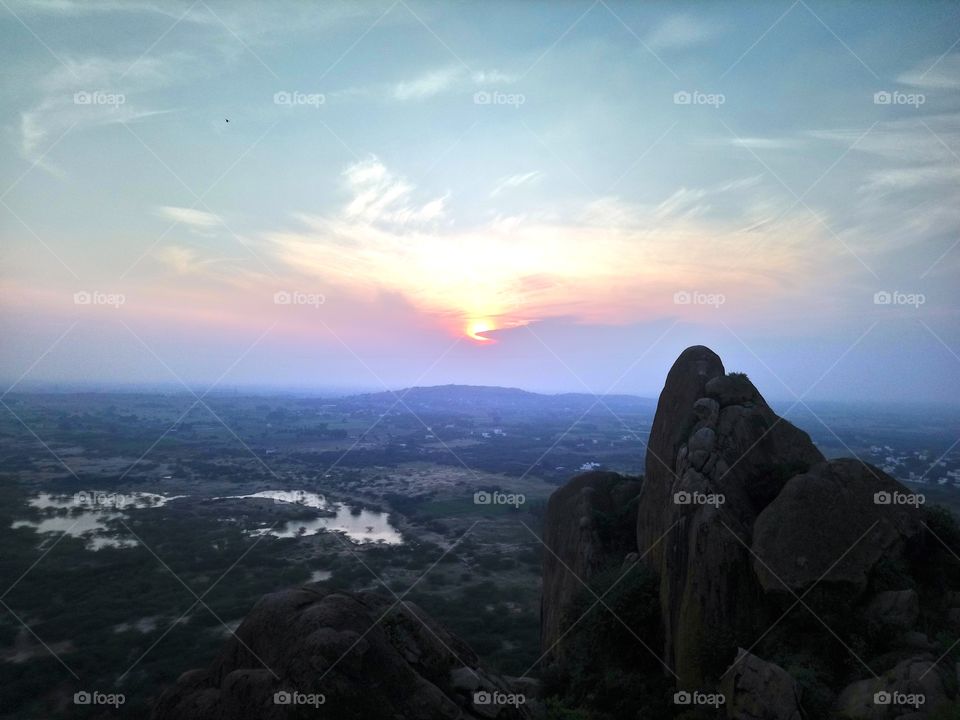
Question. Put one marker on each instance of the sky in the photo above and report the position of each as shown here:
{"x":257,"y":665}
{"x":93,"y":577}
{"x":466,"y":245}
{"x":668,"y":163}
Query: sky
{"x":555,"y":196}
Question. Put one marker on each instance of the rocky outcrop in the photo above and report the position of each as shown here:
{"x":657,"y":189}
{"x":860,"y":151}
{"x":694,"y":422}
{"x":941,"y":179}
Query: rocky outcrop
{"x":305,"y":653}
{"x":588,"y":527}
{"x":758,"y":690}
{"x":845,"y":496}
{"x":894,"y":608}
{"x":717,"y":456}
{"x":914,"y":688}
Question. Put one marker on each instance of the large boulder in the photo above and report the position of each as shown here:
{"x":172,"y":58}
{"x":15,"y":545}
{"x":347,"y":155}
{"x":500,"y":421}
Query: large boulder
{"x":758,"y":690}
{"x":848,"y":498}
{"x":894,"y":608}
{"x":589,"y":526}
{"x":717,"y":456}
{"x":914,"y":688}
{"x":306,"y":653}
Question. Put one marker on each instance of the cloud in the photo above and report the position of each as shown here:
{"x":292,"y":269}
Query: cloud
{"x":428,"y":85}
{"x":937,"y":74}
{"x":197,"y":219}
{"x":606,"y":261}
{"x":432,"y":83}
{"x":682,"y":31}
{"x":381,"y":197}
{"x":89,"y":92}
{"x":514,"y":181}
{"x":755,"y":143}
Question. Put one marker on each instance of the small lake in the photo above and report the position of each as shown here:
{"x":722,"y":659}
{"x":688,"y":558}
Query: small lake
{"x":358,"y":524}
{"x":88,"y":515}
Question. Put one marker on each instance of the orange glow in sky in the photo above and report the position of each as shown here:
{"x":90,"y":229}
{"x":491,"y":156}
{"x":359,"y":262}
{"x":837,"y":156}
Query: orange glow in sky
{"x":476,"y":328}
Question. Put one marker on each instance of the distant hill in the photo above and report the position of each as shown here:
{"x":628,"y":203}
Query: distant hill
{"x":506,"y":400}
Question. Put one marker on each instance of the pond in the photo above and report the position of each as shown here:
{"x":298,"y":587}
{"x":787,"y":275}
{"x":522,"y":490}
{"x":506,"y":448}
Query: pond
{"x":358,"y":524}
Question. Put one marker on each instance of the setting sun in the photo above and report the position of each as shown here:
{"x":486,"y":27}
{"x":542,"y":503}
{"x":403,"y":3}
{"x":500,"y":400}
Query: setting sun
{"x":476,"y":328}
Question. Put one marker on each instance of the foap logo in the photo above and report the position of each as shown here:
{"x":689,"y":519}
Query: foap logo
{"x":285,"y":697}
{"x":96,"y":297}
{"x":686,"y":97}
{"x":296,"y":98}
{"x":698,"y":498}
{"x":103,"y":500}
{"x":296,"y":297}
{"x":695,"y":297}
{"x":482,"y":497}
{"x":98,"y":97}
{"x":684,"y":697}
{"x":885,"y":697}
{"x":485,"y":697}
{"x":885,"y":97}
{"x":495,"y":97}
{"x":898,"y":498}
{"x":294,"y":497}
{"x":885,"y":297}
{"x":86,"y":697}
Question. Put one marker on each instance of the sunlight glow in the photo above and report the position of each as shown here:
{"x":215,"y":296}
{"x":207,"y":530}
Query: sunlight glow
{"x":476,"y":328}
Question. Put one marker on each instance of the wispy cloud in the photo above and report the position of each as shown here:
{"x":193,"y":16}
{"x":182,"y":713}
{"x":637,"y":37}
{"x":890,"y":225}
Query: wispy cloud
{"x":682,"y":31}
{"x":428,"y":85}
{"x":379,"y":196}
{"x":197,"y":219}
{"x":585,"y":263}
{"x":941,"y":73}
{"x":89,"y":92}
{"x":434,"y":82}
{"x":514,"y":181}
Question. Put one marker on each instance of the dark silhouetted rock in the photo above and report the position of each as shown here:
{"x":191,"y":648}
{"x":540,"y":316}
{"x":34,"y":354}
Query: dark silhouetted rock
{"x":758,"y":690}
{"x":834,"y":500}
{"x":366,"y":660}
{"x":913,"y":677}
{"x":896,"y":608}
{"x":589,"y":526}
{"x":717,"y":456}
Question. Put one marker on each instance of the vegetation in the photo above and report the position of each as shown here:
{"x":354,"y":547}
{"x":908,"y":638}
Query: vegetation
{"x":603,"y":671}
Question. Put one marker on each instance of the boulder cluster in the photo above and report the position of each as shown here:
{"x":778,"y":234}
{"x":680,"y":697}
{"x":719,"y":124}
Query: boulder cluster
{"x":791,"y":586}
{"x":753,"y":535}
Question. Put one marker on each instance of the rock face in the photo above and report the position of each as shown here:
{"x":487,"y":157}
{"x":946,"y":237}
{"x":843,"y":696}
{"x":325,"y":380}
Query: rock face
{"x":363,"y":659}
{"x":912,"y":689}
{"x":589,"y":526}
{"x":717,"y":456}
{"x":841,"y":495}
{"x":895,"y":608}
{"x":758,"y":690}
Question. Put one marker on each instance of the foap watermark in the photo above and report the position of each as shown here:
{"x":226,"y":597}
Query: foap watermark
{"x":695,"y":297}
{"x":686,"y":97}
{"x":698,"y":498}
{"x":898,"y":498}
{"x":486,"y":697}
{"x":103,"y":500}
{"x":295,"y":97}
{"x":95,"y":697}
{"x":293,"y":697}
{"x":495,"y":97}
{"x":99,"y":97}
{"x":685,"y":697}
{"x":295,"y":497}
{"x":885,"y":97}
{"x":298,"y":297}
{"x":96,"y":297}
{"x":886,"y":697}
{"x":886,"y":297}
{"x":482,"y":497}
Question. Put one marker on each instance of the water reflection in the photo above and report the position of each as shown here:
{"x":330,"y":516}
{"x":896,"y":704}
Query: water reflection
{"x":358,"y":524}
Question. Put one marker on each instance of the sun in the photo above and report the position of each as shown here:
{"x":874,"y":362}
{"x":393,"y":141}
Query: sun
{"x":476,"y":328}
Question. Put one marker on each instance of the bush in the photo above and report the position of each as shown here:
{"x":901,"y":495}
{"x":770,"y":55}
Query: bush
{"x":605,"y":672}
